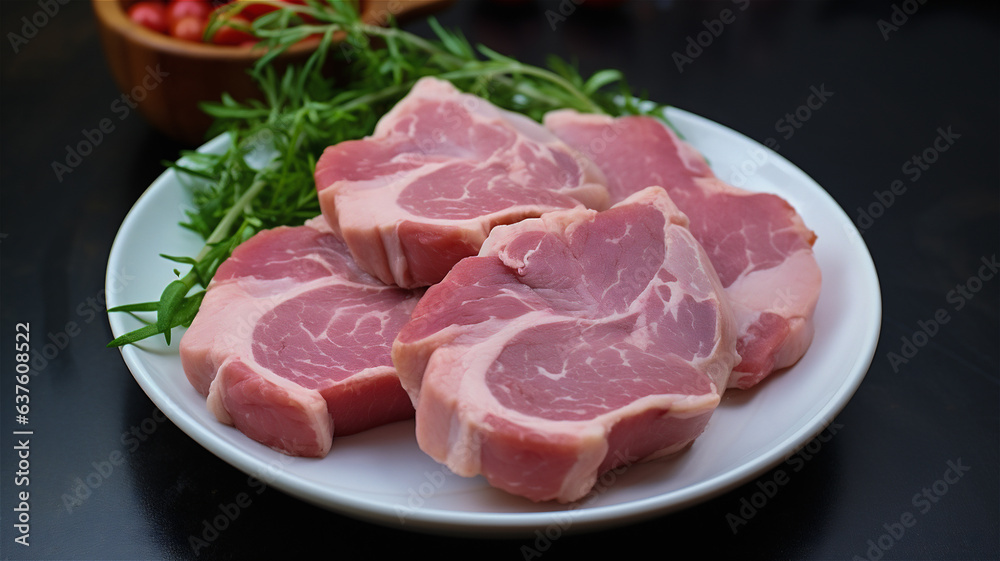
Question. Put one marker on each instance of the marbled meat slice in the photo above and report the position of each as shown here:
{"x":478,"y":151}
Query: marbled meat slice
{"x":574,"y":343}
{"x":440,"y":170}
{"x":292,"y":342}
{"x":759,"y":245}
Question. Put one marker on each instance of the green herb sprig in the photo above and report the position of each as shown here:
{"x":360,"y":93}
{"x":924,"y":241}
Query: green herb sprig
{"x":264,"y":178}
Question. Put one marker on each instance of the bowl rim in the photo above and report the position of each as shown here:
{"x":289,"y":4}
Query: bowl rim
{"x":112,"y":13}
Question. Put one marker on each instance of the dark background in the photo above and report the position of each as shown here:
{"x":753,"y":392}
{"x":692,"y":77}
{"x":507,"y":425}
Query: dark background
{"x":940,"y":69}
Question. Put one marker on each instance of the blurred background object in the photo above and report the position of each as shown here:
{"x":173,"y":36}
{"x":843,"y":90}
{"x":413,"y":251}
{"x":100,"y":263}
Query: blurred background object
{"x":140,"y":51}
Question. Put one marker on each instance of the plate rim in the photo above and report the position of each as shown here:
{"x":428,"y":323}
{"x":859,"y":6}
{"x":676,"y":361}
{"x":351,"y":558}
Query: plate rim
{"x":465,"y":523}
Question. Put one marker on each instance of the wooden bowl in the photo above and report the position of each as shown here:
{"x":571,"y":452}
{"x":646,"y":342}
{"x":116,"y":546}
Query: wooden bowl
{"x":165,"y":78}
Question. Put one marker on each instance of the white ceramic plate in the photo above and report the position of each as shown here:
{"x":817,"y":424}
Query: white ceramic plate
{"x":383,"y":477}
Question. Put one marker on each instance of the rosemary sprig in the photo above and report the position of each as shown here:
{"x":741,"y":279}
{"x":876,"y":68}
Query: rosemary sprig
{"x":265,"y":177}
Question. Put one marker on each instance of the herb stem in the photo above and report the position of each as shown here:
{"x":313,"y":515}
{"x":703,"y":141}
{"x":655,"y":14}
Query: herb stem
{"x":225,"y":225}
{"x":509,"y":68}
{"x":303,"y":110}
{"x":461,"y":67}
{"x":385,"y":93}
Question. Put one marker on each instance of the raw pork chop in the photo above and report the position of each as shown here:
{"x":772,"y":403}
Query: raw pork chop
{"x":574,"y":343}
{"x":441,"y":169}
{"x":759,"y":245}
{"x":292,"y":342}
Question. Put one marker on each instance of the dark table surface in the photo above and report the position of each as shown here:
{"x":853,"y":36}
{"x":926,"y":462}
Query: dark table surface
{"x":893,"y":90}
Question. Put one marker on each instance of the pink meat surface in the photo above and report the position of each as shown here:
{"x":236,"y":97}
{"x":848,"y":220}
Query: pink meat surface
{"x":759,"y":245}
{"x":292,"y":342}
{"x":441,"y":169}
{"x":574,"y":343}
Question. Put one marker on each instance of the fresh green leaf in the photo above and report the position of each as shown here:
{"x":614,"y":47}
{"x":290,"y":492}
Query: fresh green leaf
{"x":264,"y":178}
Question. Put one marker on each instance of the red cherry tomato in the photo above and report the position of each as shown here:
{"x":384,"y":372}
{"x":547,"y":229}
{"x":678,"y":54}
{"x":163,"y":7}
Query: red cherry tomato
{"x":186,"y":19}
{"x":180,"y":9}
{"x":190,"y":28}
{"x":227,"y":35}
{"x":149,"y":14}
